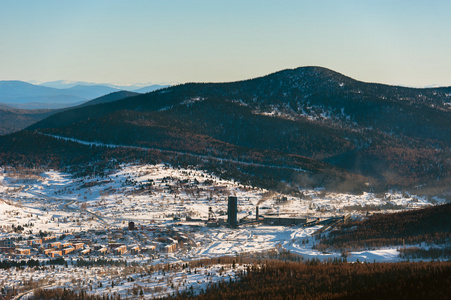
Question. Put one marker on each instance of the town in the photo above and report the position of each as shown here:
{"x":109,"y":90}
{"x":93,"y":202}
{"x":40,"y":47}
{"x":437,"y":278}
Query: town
{"x":150,"y":215}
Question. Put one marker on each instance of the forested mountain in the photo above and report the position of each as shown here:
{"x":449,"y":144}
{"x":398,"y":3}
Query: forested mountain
{"x":309,"y":118}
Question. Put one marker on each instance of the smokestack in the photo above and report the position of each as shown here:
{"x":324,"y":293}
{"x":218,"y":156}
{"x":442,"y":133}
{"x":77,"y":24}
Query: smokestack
{"x":131,"y":225}
{"x":232,"y":212}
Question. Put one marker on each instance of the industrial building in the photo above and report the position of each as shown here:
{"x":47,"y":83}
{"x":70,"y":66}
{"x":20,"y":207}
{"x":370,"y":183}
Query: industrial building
{"x":7,"y":243}
{"x":283,"y":221}
{"x":232,"y":210}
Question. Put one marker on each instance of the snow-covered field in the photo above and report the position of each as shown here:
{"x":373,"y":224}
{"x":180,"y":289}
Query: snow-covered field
{"x":155,"y":194}
{"x":152,"y":196}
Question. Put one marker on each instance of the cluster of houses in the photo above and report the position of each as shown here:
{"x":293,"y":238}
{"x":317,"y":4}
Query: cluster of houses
{"x":59,"y":249}
{"x":46,"y":245}
{"x":133,"y":240}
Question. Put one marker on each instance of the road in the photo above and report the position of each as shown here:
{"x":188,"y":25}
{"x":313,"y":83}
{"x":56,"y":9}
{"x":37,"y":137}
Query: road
{"x":175,"y":152}
{"x":27,"y":293}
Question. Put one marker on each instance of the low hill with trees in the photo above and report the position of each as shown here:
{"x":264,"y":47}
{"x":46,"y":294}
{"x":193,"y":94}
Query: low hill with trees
{"x":431,"y":225}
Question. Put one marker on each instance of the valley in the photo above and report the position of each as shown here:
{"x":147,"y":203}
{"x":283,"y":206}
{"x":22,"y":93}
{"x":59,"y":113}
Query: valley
{"x":169,"y":208}
{"x":225,"y":150}
{"x":177,"y":191}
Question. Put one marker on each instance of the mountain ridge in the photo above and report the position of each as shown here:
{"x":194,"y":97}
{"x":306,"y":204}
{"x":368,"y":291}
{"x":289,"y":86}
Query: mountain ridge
{"x":25,"y":95}
{"x":389,"y":136}
{"x":63,"y":84}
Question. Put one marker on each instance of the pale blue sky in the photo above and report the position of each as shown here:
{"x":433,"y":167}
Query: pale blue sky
{"x":395,"y":42}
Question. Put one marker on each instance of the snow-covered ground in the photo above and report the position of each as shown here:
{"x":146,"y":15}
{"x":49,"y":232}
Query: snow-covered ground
{"x":152,"y":196}
{"x":149,"y":194}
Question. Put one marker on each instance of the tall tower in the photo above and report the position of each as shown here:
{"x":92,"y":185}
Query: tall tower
{"x":232,"y":212}
{"x":211,"y":215}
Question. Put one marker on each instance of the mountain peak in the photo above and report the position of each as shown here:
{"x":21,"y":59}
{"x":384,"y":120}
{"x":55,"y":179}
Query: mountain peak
{"x":314,"y":72}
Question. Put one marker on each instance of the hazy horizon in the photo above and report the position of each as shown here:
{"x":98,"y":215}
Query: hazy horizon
{"x":71,"y":83}
{"x":389,"y":42}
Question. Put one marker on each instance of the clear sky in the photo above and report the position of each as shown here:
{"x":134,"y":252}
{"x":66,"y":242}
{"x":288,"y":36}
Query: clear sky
{"x":389,"y":41}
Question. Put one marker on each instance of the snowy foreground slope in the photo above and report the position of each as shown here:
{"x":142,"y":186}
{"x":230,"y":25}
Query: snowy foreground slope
{"x":160,"y":196}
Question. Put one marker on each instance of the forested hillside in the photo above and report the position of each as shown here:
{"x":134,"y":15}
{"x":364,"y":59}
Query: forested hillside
{"x":430,"y":225}
{"x":383,"y":136}
{"x":14,"y":119}
{"x":289,"y":280}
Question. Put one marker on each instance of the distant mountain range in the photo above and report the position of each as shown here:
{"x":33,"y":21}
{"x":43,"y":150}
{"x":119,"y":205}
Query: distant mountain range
{"x":147,"y":89}
{"x":13,"y":119}
{"x":64,"y":84}
{"x":25,"y":95}
{"x":299,"y":127}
